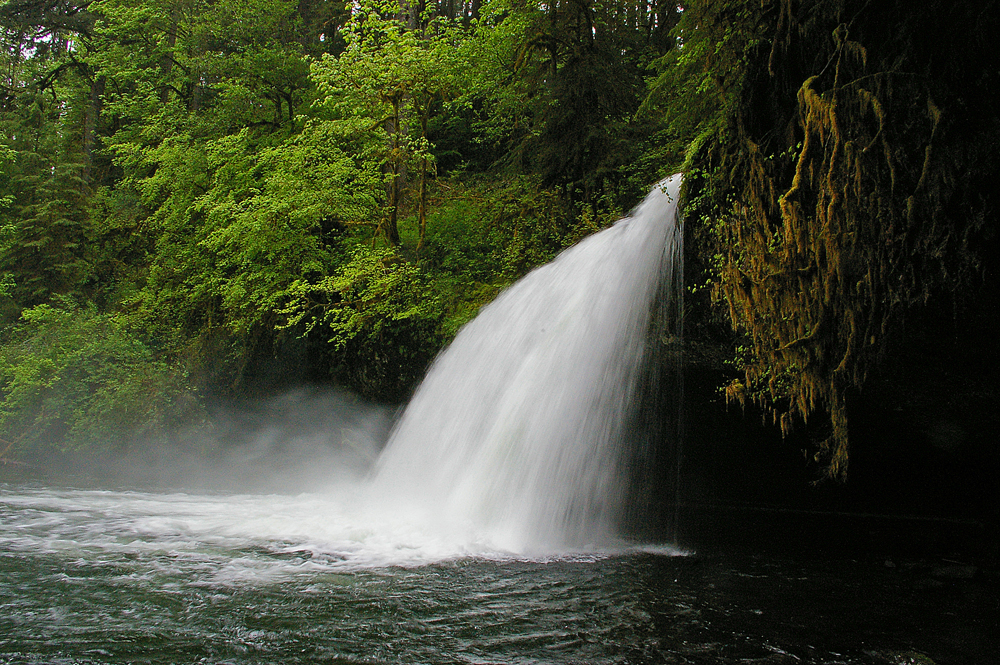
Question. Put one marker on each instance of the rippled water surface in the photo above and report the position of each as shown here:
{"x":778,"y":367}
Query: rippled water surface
{"x":113,"y":577}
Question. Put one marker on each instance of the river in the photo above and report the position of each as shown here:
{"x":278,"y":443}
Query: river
{"x":129,"y":576}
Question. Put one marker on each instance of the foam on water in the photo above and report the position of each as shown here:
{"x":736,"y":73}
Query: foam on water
{"x":230,"y":539}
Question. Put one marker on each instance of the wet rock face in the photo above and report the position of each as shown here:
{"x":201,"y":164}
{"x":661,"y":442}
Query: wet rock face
{"x":953,"y":571}
{"x":947,"y":436}
{"x":901,"y":658}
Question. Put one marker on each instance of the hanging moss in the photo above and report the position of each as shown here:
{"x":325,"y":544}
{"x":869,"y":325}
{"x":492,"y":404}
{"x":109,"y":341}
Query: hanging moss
{"x":852,"y":179}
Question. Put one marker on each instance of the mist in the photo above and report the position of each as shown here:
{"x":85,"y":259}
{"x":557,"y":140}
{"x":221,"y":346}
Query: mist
{"x":304,"y":440}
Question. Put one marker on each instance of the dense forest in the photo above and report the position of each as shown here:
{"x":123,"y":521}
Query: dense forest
{"x":215,"y":199}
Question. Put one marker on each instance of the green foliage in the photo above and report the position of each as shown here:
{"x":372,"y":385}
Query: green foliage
{"x":483,"y":236}
{"x":226,"y":195}
{"x":697,"y":85}
{"x":44,"y":225}
{"x":524,"y":226}
{"x":223,"y":176}
{"x":378,"y":313}
{"x":563,"y":83}
{"x":384,"y":89}
{"x":375,"y":288}
{"x":70,"y":376}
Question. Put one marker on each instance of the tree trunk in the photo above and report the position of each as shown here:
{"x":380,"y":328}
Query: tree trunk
{"x":166,"y":60}
{"x":91,"y":115}
{"x":422,"y":208}
{"x":390,"y":226}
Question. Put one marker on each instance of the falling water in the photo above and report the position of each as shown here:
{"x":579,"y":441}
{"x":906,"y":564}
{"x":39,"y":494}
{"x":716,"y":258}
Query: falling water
{"x":487,"y":533}
{"x":517,"y":434}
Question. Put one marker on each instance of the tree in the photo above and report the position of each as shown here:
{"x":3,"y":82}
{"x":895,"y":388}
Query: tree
{"x":564,"y":81}
{"x":46,"y":227}
{"x":73,"y":377}
{"x":380,"y":316}
{"x":199,"y":95}
{"x":386,"y":86}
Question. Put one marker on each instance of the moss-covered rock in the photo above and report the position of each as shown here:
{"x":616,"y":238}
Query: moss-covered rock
{"x":848,"y":180}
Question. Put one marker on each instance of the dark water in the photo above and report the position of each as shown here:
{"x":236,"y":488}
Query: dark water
{"x":117,"y":577}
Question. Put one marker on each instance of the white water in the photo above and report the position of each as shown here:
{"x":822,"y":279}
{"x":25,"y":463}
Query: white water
{"x":517,"y":433}
{"x":512,"y":447}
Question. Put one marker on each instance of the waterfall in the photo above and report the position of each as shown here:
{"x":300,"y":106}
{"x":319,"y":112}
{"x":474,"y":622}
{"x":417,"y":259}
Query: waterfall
{"x":518,"y":434}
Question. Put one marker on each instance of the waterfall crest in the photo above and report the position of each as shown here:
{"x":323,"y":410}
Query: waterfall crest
{"x":517,"y":434}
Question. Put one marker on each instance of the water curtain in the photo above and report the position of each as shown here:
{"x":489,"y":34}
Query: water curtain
{"x":518,"y":434}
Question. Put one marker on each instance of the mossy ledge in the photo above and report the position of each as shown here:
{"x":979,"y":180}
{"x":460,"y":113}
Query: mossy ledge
{"x":852,"y":181}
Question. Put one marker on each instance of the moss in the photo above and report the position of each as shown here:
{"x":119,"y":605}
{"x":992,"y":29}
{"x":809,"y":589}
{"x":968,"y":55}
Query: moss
{"x":848,"y":184}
